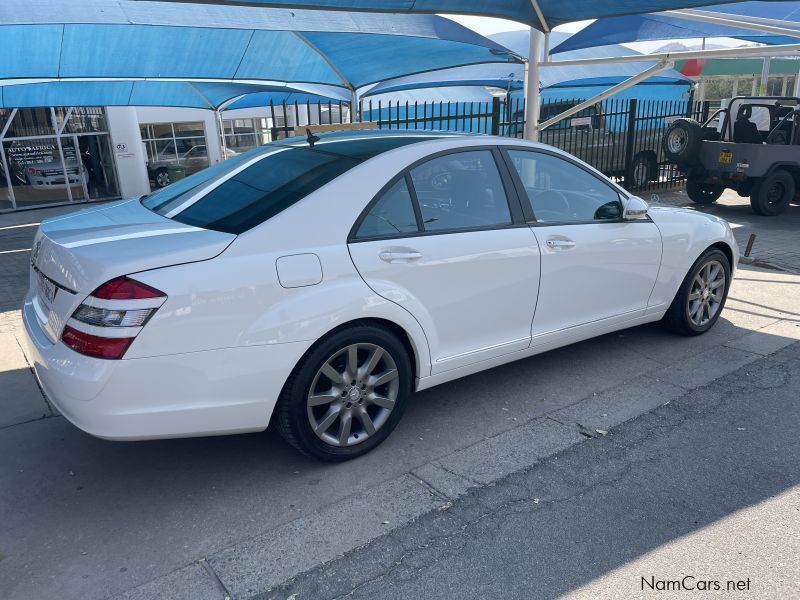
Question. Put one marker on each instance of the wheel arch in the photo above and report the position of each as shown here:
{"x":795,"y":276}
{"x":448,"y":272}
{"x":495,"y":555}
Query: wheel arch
{"x":792,"y":168}
{"x":414,"y":354}
{"x":726,"y":250}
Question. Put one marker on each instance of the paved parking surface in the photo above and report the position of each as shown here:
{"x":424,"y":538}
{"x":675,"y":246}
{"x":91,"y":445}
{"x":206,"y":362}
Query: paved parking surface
{"x":84,"y":518}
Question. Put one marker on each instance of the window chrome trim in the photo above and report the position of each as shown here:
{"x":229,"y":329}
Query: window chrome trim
{"x":515,"y":206}
{"x":527,"y":205}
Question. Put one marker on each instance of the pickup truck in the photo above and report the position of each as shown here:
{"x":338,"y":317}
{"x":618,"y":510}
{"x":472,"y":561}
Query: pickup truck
{"x":600,"y":139}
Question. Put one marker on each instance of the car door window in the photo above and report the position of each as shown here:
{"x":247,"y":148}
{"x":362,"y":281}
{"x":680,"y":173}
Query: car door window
{"x":561,"y":192}
{"x":391,"y":215}
{"x":461,"y":190}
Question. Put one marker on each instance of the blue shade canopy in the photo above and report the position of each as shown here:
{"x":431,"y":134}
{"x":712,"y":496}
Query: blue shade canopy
{"x":125,"y":40}
{"x":511,"y":76}
{"x":162,"y":93}
{"x":645,"y":28}
{"x":555,"y":12}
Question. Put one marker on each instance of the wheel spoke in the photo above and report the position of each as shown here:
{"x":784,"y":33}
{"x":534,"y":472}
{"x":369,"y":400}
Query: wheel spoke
{"x":384,"y":378}
{"x":332,"y":374}
{"x":344,"y":428}
{"x":372,"y":361}
{"x":718,"y":283}
{"x":327,"y":421}
{"x":694,"y":295}
{"x":693,"y":309}
{"x":352,"y":360}
{"x":713,"y":271}
{"x":381,"y":401}
{"x":363,"y":416}
{"x":320,"y":399}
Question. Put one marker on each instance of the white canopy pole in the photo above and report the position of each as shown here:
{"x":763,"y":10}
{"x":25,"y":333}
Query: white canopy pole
{"x":533,"y":96}
{"x":762,"y":88}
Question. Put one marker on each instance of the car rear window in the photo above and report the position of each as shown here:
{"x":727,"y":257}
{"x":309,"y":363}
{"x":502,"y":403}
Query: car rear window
{"x":267,"y":186}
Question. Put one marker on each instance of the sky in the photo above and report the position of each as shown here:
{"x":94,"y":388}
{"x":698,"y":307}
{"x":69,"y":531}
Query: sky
{"x":488,"y":26}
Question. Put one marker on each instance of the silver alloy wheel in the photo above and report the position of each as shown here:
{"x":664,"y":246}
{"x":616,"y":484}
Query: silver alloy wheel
{"x":706,"y":293}
{"x":676,"y":141}
{"x":353,"y":394}
{"x":162,"y":179}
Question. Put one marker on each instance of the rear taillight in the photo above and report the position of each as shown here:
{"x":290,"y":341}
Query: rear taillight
{"x":95,"y":345}
{"x":125,"y":288}
{"x":108,"y":320}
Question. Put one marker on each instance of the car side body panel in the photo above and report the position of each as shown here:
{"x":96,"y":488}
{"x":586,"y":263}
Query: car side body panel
{"x":215,"y":356}
{"x":686,"y":234}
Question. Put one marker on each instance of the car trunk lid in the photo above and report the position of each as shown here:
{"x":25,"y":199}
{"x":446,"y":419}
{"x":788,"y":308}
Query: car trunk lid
{"x":74,"y":254}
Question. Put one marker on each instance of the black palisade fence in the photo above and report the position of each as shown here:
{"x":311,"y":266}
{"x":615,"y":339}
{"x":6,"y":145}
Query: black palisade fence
{"x":620,"y":137}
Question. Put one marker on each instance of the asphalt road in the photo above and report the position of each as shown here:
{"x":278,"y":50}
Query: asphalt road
{"x":702,"y":490}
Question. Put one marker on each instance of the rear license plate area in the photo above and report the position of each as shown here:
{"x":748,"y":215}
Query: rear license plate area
{"x":47,"y":292}
{"x":725,"y":157}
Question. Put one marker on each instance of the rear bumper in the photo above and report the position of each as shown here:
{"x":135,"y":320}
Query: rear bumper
{"x":230,"y":390}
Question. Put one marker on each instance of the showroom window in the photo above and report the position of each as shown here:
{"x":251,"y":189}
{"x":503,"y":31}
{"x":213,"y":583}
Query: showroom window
{"x":174,"y":151}
{"x":55,"y":155}
{"x":245,"y":134}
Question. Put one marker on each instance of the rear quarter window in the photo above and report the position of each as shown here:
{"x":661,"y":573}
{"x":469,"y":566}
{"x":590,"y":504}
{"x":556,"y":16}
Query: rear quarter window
{"x":257,"y":192}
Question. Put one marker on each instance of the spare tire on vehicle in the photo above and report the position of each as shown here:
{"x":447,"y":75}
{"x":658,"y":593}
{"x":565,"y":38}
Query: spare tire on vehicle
{"x":682,"y":141}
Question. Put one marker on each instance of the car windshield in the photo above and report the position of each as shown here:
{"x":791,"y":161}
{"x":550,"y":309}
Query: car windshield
{"x":266,"y":187}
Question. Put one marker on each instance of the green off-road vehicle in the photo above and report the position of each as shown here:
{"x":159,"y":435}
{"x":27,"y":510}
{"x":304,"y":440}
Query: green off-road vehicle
{"x":751,"y":146}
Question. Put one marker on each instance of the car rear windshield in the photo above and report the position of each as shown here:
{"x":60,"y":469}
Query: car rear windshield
{"x":264,"y":188}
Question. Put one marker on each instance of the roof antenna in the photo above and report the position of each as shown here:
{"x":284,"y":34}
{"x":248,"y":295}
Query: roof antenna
{"x":311,"y":138}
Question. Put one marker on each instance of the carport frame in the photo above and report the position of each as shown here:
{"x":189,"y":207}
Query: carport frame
{"x":533,"y":93}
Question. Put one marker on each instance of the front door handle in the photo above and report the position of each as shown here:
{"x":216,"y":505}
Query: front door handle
{"x":393,"y":256}
{"x":560,"y":244}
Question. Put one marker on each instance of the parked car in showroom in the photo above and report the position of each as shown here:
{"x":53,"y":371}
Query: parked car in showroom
{"x":316,"y":283}
{"x":38,"y":165}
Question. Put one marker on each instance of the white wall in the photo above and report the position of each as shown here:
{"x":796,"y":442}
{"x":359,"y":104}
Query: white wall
{"x":126,"y":143}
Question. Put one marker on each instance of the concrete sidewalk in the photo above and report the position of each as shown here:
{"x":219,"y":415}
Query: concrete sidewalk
{"x":199,"y":518}
{"x":702,"y":492}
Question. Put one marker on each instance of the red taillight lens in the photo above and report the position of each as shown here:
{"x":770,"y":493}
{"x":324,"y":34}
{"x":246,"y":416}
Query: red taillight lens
{"x":93,"y":345}
{"x":124,"y":288}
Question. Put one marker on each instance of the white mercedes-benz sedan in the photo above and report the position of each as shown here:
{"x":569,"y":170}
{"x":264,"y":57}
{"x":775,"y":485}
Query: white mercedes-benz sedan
{"x":316,"y":283}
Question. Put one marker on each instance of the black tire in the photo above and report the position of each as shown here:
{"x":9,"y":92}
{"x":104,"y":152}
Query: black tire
{"x":641,"y":170}
{"x":682,"y":140}
{"x":677,"y":317}
{"x":703,"y":193}
{"x":292,"y":413}
{"x":772,"y":195}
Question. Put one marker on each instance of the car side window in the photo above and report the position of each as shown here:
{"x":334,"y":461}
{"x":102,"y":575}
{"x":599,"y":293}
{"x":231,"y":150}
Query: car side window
{"x":461,"y":190}
{"x":392,"y":214}
{"x":561,"y":192}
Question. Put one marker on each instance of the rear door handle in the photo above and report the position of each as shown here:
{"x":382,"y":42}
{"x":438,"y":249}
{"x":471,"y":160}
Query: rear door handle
{"x":393,"y":256}
{"x":560,"y":244}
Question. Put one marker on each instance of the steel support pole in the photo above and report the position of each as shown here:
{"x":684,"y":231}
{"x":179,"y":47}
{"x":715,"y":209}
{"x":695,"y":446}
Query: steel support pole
{"x":533,"y":95}
{"x":762,"y":88}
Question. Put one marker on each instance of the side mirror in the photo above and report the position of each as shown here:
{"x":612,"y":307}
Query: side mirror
{"x":635,"y":209}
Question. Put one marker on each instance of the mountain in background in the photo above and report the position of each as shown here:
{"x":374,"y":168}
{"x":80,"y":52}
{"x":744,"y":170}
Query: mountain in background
{"x":679,"y":47}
